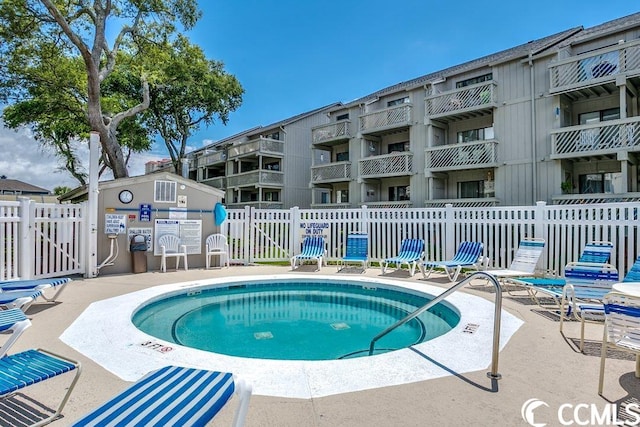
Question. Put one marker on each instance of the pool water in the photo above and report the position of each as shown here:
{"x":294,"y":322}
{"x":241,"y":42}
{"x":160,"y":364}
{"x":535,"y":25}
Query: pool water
{"x":293,"y":320}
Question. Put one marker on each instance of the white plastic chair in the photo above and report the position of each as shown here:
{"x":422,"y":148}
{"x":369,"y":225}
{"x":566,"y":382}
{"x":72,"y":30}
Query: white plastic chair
{"x":216,"y":244}
{"x":621,"y":329}
{"x":170,"y":247}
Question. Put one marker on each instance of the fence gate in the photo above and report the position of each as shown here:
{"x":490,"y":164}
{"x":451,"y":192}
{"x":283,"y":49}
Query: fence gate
{"x":40,"y":240}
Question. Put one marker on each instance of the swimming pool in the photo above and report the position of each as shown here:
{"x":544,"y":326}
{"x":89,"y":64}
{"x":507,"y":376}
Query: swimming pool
{"x":105,"y":333}
{"x":294,"y":319}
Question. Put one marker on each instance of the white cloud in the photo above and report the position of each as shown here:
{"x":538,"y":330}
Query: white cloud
{"x":25,"y":159}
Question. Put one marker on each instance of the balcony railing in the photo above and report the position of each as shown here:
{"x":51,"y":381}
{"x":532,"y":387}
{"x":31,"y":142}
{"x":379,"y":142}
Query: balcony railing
{"x":332,"y":172}
{"x":257,"y":205}
{"x":389,"y":204}
{"x":217,"y":182}
{"x":259,"y":146}
{"x":330,"y":206}
{"x":470,"y":98}
{"x":580,"y":199}
{"x":211,"y":159}
{"x":465,"y":203}
{"x":394,"y":164}
{"x":607,"y":137}
{"x":331,"y":132}
{"x":468,"y":155}
{"x":389,"y":118}
{"x":256,"y":178}
{"x":595,"y":67}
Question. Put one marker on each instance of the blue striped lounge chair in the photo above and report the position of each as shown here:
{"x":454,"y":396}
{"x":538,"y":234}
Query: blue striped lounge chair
{"x":466,"y":256}
{"x":58,"y":284}
{"x":313,"y":248}
{"x":19,"y":299}
{"x":411,"y":252}
{"x":20,"y":370}
{"x":14,"y":321}
{"x":172,"y":396}
{"x":357,"y":252}
{"x":584,"y":300}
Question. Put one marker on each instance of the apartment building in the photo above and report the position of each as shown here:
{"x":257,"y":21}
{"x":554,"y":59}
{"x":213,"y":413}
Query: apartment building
{"x":264,"y":167}
{"x":555,"y":119}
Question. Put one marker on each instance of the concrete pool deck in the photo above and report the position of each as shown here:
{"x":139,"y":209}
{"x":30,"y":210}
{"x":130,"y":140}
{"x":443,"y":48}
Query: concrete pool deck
{"x":537,"y":362}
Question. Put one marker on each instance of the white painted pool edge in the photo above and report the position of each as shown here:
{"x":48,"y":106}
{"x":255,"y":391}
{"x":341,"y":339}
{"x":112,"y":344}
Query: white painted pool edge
{"x":105,"y":334}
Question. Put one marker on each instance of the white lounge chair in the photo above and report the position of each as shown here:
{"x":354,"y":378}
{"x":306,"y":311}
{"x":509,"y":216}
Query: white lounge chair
{"x":170,"y":247}
{"x":524,"y":261}
{"x":172,"y":396}
{"x":216,"y":245}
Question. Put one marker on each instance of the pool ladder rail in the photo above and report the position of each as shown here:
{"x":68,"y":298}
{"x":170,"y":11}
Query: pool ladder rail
{"x":493,"y":374}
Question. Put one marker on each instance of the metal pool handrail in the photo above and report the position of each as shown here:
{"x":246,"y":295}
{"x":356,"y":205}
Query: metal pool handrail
{"x":496,"y":319}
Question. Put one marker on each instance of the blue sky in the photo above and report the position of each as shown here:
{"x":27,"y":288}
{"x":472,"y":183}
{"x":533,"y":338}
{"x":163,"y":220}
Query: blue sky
{"x":295,"y":56}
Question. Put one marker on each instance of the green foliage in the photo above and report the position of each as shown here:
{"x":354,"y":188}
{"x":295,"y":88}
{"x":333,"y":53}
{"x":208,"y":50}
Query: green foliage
{"x":188,"y":90}
{"x":59,"y":191}
{"x":64,"y":77}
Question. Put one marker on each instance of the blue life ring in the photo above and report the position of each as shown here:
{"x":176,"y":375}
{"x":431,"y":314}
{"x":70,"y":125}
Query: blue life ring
{"x":219,"y":214}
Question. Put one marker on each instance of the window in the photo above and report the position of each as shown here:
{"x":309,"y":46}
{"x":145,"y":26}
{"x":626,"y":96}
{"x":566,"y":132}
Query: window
{"x":401,"y":192}
{"x":598,"y":182}
{"x":271,"y":196}
{"x":599,"y":116}
{"x":342,"y":196}
{"x":471,"y":189}
{"x":324,"y":197}
{"x":342,"y":157}
{"x":475,"y":134}
{"x":273,"y":166}
{"x":474,"y":80}
{"x":342,"y":117}
{"x":398,"y":101}
{"x":398,"y":147}
{"x":165,"y":191}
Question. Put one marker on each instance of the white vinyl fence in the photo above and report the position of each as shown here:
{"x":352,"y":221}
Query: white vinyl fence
{"x":45,"y":240}
{"x":39,"y":240}
{"x":261,"y":235}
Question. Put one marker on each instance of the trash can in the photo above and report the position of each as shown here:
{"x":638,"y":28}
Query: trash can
{"x":138,"y":249}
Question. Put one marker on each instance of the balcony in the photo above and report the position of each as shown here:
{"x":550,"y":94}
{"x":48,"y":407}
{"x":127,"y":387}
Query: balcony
{"x":604,"y":138}
{"x":331,"y":133}
{"x":262,"y":146}
{"x":211,"y":159}
{"x":463,"y":103}
{"x":330,"y":206}
{"x":386,"y":165}
{"x":217,"y":182}
{"x":464,"y":203}
{"x":581,"y":199}
{"x":389,"y":204}
{"x":257,"y":178}
{"x":332,"y":172}
{"x":256,"y":205}
{"x":595,"y":69}
{"x":468,"y":155}
{"x":391,"y":118}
